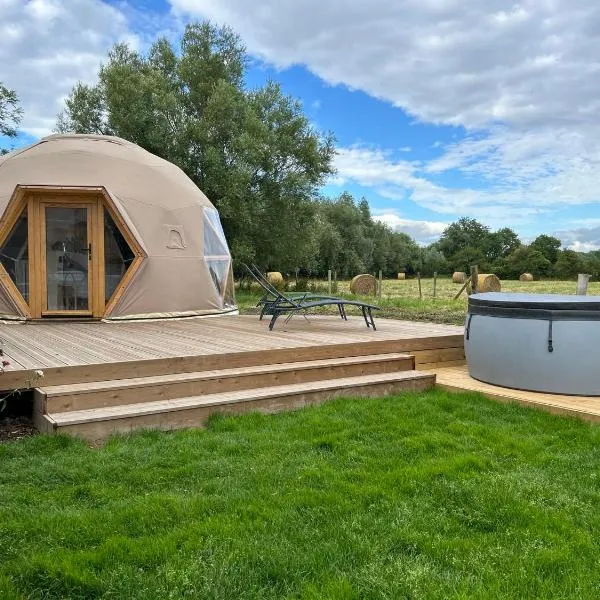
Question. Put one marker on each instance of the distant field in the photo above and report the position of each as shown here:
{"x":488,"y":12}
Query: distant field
{"x":445,"y":289}
{"x":400,"y":299}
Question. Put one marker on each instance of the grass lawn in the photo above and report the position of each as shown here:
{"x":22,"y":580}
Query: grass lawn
{"x":400,"y":299}
{"x":427,"y":495}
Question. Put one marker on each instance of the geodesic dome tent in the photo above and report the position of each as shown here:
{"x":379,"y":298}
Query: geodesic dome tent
{"x":96,"y":226}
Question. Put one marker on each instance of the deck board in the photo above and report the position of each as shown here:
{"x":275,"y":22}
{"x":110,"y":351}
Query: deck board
{"x":457,"y":378}
{"x":63,"y":345}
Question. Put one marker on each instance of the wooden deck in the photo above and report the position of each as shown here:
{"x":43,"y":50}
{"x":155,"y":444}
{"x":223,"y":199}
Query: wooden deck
{"x":101,"y":378}
{"x":457,"y":378}
{"x":89,"y":351}
{"x":105,"y":378}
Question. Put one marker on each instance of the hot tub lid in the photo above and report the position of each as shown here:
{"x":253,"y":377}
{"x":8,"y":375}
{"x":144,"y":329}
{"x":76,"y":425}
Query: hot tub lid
{"x":524,"y":305}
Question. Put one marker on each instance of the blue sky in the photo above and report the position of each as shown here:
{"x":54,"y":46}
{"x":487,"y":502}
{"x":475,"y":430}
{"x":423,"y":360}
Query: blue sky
{"x":355,"y":118}
{"x":440,"y":109}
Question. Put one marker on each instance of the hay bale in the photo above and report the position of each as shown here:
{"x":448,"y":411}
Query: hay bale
{"x":401,"y":275}
{"x":459,"y":277}
{"x":488,"y":282}
{"x":275,"y":278}
{"x":364,"y":285}
{"x":526,"y":277}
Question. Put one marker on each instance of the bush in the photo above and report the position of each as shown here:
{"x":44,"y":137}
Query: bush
{"x":316,"y":287}
{"x":302,"y":284}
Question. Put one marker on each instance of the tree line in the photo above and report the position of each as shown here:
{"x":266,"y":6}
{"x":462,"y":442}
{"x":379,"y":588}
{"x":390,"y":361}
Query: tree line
{"x":469,"y":242}
{"x":260,"y":161}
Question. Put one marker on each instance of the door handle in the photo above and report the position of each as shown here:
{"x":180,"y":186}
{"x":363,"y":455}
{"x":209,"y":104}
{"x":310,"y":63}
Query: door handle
{"x":89,"y":250}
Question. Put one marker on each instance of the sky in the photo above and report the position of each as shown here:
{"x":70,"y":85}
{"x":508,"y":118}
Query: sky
{"x":440,"y":108}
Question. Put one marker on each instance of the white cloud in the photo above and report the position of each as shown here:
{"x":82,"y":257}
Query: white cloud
{"x":463,"y":62}
{"x":546,"y":167}
{"x":48,"y":45}
{"x":400,"y":179}
{"x":580,"y":246}
{"x":522,"y":79}
{"x":581,"y":239}
{"x":374,"y":167}
{"x":424,"y":232}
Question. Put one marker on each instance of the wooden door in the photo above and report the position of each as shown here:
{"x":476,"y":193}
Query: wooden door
{"x":66,"y":263}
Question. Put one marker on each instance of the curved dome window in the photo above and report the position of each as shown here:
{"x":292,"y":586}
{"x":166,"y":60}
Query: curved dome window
{"x":14,"y":255}
{"x":217,"y":257}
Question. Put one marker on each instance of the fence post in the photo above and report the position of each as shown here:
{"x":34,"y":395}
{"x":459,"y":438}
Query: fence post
{"x":329,"y":281}
{"x":474,"y":278}
{"x":335,"y":287}
{"x":419,"y":280}
{"x":434,"y":282}
{"x":379,"y":286}
{"x":582,"y":284}
{"x":463,"y":288}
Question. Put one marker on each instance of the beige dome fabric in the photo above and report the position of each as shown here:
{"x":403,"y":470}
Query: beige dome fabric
{"x":188,"y":263}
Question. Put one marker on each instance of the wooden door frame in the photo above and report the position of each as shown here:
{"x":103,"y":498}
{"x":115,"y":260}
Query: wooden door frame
{"x":40,"y":262}
{"x":33,"y":199}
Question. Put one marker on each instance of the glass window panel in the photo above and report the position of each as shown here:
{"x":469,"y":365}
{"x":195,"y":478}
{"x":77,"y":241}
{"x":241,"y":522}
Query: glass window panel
{"x":213,"y":245}
{"x":118,"y":255}
{"x":14,"y":256}
{"x":213,"y":216}
{"x":229,"y":296}
{"x":218,"y":271}
{"x":67,"y":258}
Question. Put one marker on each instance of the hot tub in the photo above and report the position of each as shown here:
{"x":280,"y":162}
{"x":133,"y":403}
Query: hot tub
{"x":537,"y":342}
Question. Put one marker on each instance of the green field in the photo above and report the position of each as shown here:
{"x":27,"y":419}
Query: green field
{"x":427,"y":495}
{"x":400,"y":299}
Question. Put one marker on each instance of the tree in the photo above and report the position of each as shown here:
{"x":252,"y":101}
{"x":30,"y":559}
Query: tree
{"x":525,"y":259}
{"x":254,"y":153}
{"x":84,"y":112}
{"x":381,"y":253}
{"x":548,"y":245}
{"x":350,"y":242}
{"x":355,"y":244}
{"x":465,"y":233}
{"x":10,"y":113}
{"x":568,"y":264}
{"x":463,"y":259}
{"x":330,"y":244}
{"x":432,"y":261}
{"x":591,"y":263}
{"x":404,"y":254}
{"x":466,"y":242}
{"x":501,"y":243}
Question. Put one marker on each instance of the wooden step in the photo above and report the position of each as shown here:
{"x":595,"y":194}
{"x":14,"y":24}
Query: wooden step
{"x":83,"y":396}
{"x":97,"y":424}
